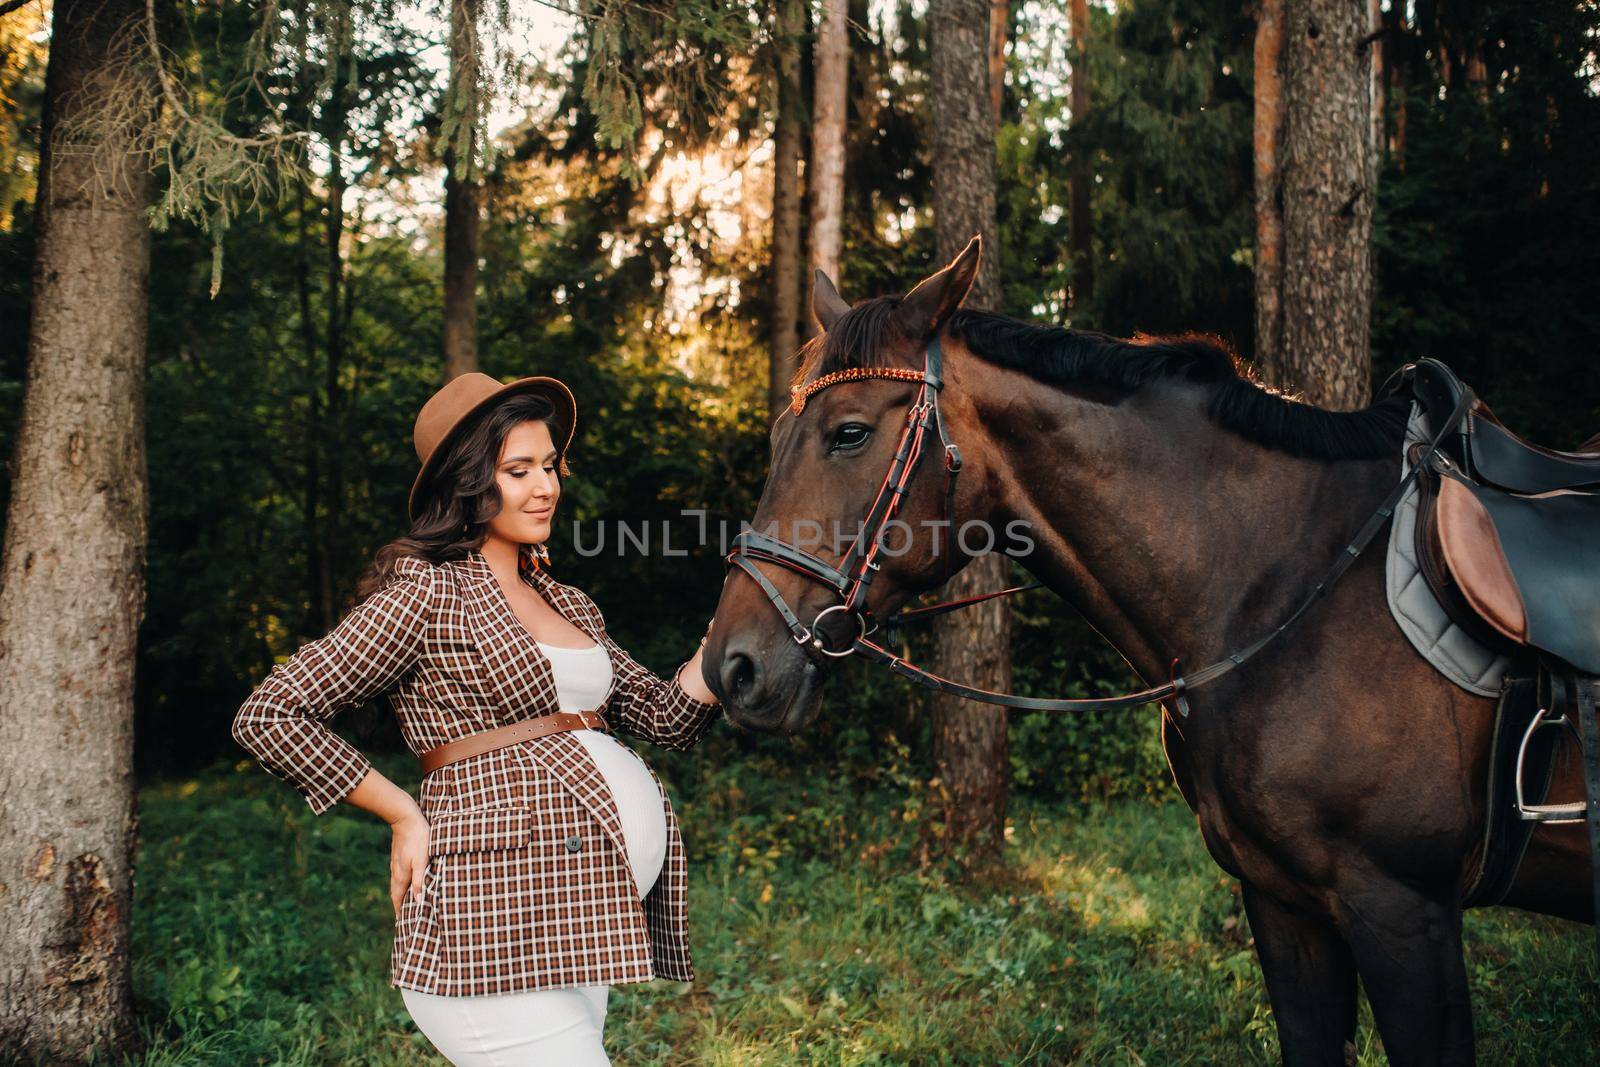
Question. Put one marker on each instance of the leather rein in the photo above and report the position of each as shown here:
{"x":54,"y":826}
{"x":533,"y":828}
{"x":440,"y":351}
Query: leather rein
{"x":852,"y":578}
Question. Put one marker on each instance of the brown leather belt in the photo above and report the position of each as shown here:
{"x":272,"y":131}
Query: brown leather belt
{"x":510,"y":734}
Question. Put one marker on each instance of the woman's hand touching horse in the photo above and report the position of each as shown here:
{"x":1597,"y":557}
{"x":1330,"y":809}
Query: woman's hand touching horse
{"x":689,"y":677}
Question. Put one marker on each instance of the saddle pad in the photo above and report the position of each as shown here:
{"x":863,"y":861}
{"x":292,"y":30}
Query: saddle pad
{"x":1456,"y":655}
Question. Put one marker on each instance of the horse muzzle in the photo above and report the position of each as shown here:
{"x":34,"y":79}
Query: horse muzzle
{"x":758,"y":694}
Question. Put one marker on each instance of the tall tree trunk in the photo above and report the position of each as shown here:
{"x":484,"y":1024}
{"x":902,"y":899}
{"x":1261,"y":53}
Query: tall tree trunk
{"x":463,"y":193}
{"x":312,"y":442}
{"x":969,"y":739}
{"x":825,"y":173}
{"x":1399,"y":65}
{"x":1475,"y":70}
{"x":1082,"y":177}
{"x":1404,"y":72}
{"x":313,"y":343}
{"x":1268,"y":133}
{"x":786,"y":250}
{"x":999,"y":20}
{"x":1325,"y":182}
{"x":462,"y":198}
{"x":336,"y":131}
{"x":1375,"y":87}
{"x":72,"y":570}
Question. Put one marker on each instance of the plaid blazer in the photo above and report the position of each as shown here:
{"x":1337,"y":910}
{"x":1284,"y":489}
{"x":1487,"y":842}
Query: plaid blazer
{"x":528,"y":884}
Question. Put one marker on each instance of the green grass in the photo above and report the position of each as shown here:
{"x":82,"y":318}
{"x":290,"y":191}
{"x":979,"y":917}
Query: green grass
{"x":261,"y":936}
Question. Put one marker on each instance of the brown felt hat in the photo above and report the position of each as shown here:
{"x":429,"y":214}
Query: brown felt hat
{"x":451,"y":410}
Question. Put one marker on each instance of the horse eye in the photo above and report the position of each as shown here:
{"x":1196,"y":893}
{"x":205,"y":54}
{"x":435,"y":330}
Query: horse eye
{"x":850,"y":435}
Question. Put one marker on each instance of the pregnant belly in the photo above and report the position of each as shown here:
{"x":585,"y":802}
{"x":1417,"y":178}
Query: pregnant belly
{"x":639,"y":805}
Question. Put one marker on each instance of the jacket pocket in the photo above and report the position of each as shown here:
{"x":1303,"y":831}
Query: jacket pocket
{"x":481,"y":829}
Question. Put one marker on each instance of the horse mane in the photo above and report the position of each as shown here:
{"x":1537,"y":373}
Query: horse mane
{"x":1237,"y":400}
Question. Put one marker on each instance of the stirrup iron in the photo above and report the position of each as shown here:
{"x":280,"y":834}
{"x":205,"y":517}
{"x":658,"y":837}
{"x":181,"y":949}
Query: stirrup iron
{"x":1550,"y":813}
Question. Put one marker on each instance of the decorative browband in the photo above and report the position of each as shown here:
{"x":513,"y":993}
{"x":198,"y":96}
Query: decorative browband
{"x":800,"y":394}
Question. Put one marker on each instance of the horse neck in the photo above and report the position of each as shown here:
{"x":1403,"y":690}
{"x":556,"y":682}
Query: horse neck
{"x":1174,"y":537}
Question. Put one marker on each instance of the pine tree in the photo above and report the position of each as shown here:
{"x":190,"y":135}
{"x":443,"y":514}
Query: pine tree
{"x":462,"y":190}
{"x":1315,"y":196}
{"x":788,"y":123}
{"x":969,"y":739}
{"x":72,"y":570}
{"x":825,"y":179}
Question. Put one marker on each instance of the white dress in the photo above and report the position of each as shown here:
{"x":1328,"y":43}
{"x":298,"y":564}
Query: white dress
{"x":582,"y":676}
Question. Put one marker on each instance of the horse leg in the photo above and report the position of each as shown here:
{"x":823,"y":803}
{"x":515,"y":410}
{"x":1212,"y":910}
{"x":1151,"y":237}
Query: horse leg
{"x":1311,"y":981}
{"x":1408,"y":951}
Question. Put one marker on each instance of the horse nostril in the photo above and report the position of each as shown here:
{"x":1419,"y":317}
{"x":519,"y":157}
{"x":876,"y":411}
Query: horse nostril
{"x":738,"y":675}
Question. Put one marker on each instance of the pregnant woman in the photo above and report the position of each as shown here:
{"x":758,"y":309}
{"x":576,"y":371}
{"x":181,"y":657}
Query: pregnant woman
{"x":543,"y":863}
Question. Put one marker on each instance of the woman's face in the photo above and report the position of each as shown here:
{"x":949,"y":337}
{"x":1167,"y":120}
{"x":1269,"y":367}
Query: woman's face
{"x":528,"y":484}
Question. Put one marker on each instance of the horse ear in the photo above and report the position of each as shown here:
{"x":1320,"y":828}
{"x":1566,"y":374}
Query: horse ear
{"x":826,"y":303}
{"x":926,"y":307}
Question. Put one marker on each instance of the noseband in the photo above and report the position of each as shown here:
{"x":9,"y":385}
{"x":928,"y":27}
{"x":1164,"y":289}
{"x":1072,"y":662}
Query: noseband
{"x":852,"y":578}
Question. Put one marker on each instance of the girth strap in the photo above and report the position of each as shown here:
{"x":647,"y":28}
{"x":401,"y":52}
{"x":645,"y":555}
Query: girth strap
{"x":1583,"y":704}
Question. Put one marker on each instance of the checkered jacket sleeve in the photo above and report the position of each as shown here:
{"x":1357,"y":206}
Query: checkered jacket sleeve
{"x":283,"y":723}
{"x":650,"y":707}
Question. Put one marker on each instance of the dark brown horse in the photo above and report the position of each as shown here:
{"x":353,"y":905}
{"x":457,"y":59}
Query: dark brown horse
{"x":1185,"y":510}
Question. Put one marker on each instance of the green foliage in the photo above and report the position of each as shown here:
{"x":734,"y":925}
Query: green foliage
{"x":1097,"y":755}
{"x":1487,"y":256}
{"x":241,"y":450}
{"x":1107,"y":936}
{"x":887,"y":227}
{"x":682,"y":57}
{"x":22,"y":62}
{"x":246,"y":90}
{"x":614,"y":94}
{"x":280,"y":410}
{"x":280,"y":454}
{"x":232,"y":139}
{"x":1168,"y":134}
{"x":1170,"y":128}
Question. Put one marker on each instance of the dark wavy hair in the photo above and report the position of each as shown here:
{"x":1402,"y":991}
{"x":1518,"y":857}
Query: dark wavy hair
{"x":457,"y":502}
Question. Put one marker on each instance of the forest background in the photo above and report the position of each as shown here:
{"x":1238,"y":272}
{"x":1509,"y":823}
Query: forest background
{"x":652,"y":299}
{"x":291,"y":345}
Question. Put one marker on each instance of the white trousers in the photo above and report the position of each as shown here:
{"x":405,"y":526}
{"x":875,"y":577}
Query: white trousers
{"x":563,"y":1027}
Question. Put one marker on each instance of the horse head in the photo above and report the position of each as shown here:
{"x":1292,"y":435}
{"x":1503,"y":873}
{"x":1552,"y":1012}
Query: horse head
{"x":857,"y":398}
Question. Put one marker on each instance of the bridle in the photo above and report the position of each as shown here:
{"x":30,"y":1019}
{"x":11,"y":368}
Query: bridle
{"x":852,"y":578}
